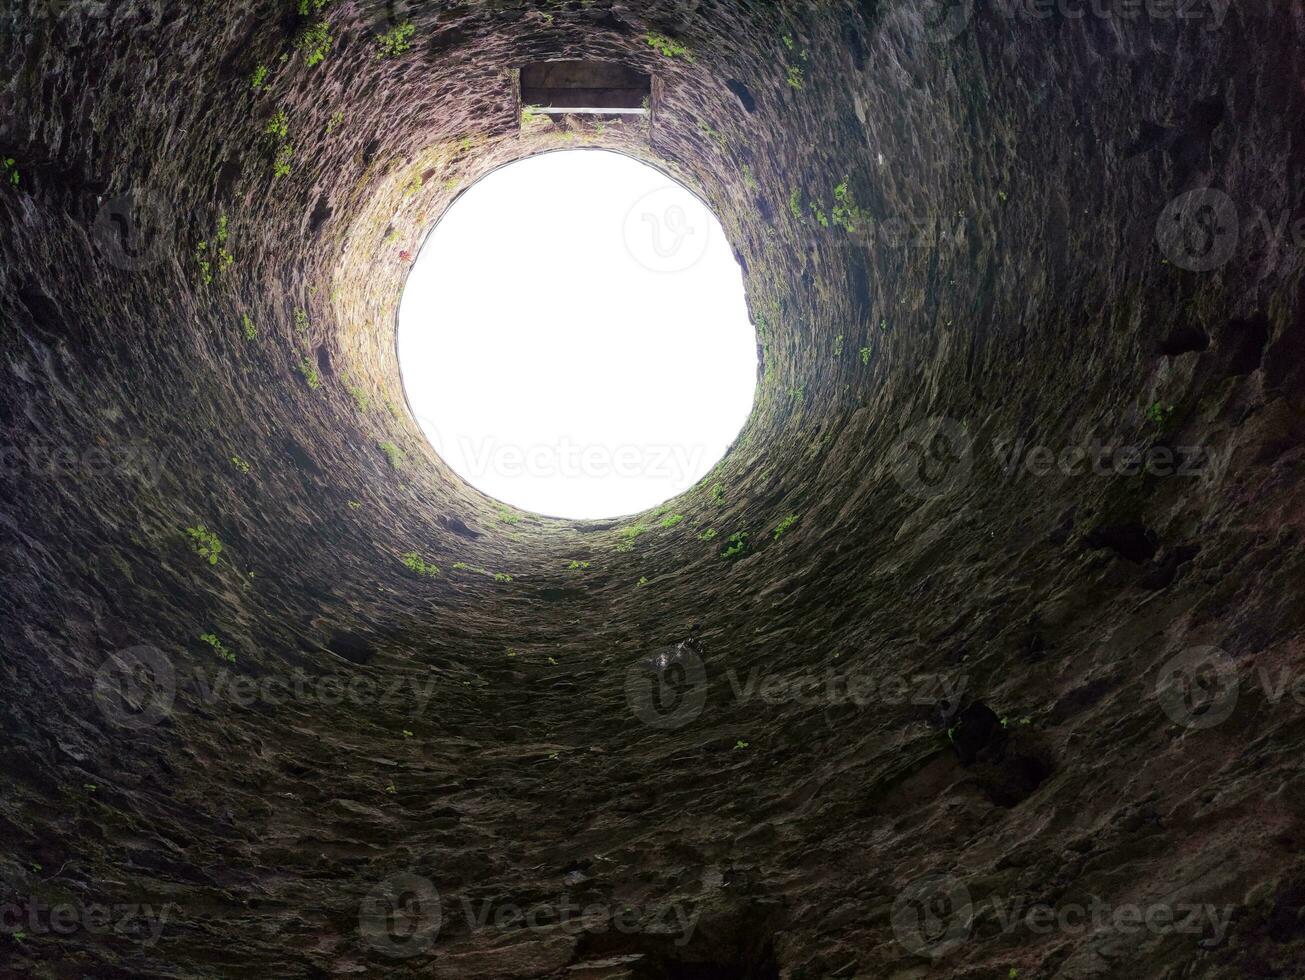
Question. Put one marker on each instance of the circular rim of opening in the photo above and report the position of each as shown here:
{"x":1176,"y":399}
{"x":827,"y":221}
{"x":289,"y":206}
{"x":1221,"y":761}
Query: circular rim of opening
{"x":434,"y":226}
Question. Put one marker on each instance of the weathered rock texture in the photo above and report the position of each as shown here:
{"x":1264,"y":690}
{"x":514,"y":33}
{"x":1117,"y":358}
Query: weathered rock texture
{"x":1004,"y":280}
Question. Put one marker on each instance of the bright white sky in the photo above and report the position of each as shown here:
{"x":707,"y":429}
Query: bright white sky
{"x":573,"y":336}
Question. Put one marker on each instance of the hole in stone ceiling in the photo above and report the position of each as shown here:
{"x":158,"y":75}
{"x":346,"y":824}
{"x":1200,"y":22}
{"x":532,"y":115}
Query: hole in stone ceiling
{"x":573,"y":336}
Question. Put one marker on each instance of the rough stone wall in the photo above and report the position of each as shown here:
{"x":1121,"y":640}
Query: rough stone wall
{"x":1005,"y":281}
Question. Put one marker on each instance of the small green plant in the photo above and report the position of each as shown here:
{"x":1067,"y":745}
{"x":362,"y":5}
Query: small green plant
{"x":396,"y":41}
{"x":278,"y":127}
{"x":206,"y":257}
{"x":9,"y":172}
{"x":672,"y":520}
{"x":392,"y":452}
{"x":308,"y":370}
{"x":335,"y":122}
{"x":314,"y":41}
{"x":795,"y":204}
{"x":714,"y":135}
{"x":629,"y":535}
{"x":846,"y":214}
{"x":225,"y":258}
{"x":206,"y":543}
{"x":301,"y":319}
{"x":281,"y":162}
{"x":740,"y":744}
{"x":259,"y":78}
{"x":795,"y":74}
{"x":735,"y":545}
{"x":508,"y":517}
{"x":838,"y":346}
{"x":718,"y":493}
{"x":1159,"y":414}
{"x":89,"y":787}
{"x":413,"y":185}
{"x":578,"y":565}
{"x":784,"y":525}
{"x":643,"y":580}
{"x":251,"y":332}
{"x":415,"y":563}
{"x":819,"y":212}
{"x":532,"y":114}
{"x":277,"y":131}
{"x":212,"y":640}
{"x":749,"y":178}
{"x":667,"y":48}
{"x":708,"y":534}
{"x":502,"y":577}
{"x":407,"y":734}
{"x":360,"y":397}
{"x":205,"y":266}
{"x":355,"y":505}
{"x":241,"y":465}
{"x":865,"y":355}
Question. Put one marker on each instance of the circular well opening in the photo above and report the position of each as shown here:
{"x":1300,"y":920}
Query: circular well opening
{"x":573,"y":337}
